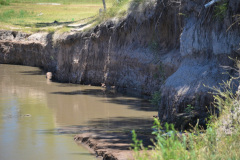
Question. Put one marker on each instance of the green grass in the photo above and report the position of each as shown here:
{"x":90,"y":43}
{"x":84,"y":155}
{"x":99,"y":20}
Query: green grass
{"x":43,"y":15}
{"x":220,"y":141}
{"x":4,"y":2}
{"x":29,"y":15}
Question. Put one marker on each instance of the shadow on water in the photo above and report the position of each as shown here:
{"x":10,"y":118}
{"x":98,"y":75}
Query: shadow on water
{"x":112,"y":130}
{"x":82,"y":154}
{"x":121,"y":123}
{"x":111,"y":125}
{"x":114,"y":97}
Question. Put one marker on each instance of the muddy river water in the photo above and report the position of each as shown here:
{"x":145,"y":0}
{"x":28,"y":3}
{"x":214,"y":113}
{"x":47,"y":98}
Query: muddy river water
{"x":34,"y":113}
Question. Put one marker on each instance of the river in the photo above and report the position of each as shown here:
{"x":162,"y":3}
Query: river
{"x":35,"y":112}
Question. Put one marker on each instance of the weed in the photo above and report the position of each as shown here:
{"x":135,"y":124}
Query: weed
{"x":220,"y":10}
{"x":160,"y":74}
{"x":156,"y":98}
{"x":189,"y":108}
{"x":51,"y":57}
{"x":51,"y":30}
{"x":137,"y":143}
{"x":23,"y":13}
{"x":154,"y":46}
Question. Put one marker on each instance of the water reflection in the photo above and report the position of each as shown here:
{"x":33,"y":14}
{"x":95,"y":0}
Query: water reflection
{"x":24,"y":90}
{"x":23,"y":115}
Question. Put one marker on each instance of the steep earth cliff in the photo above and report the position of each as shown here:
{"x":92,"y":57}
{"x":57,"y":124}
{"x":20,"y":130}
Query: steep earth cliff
{"x":171,"y":46}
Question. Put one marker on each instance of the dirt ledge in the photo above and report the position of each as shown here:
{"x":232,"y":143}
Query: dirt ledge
{"x":110,"y":146}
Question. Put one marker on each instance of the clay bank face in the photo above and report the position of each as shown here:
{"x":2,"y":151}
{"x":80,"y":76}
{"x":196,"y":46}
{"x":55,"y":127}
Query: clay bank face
{"x":39,"y":118}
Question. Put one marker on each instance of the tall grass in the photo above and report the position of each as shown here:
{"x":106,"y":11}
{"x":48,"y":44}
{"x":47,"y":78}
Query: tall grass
{"x":221,"y":139}
{"x":118,"y":8}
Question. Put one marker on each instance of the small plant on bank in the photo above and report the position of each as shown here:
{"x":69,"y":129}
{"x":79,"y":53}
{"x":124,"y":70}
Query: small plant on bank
{"x":220,"y":10}
{"x":156,"y":98}
{"x":154,"y":46}
{"x":189,"y":108}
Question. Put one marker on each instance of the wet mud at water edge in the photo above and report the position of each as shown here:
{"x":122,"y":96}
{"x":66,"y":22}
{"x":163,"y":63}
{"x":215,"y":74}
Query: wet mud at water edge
{"x":39,"y":118}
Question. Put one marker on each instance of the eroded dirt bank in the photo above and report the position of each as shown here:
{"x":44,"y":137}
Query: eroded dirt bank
{"x":171,"y":46}
{"x":109,"y":145}
{"x":115,"y":146}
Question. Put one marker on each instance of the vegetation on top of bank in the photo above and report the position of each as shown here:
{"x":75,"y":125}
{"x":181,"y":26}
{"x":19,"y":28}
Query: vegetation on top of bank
{"x":53,"y":15}
{"x":220,"y":140}
{"x":44,"y":15}
{"x":119,"y":8}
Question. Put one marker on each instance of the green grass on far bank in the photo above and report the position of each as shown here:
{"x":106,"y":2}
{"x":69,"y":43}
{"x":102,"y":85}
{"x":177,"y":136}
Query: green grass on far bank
{"x":35,"y":15}
{"x":57,"y":15}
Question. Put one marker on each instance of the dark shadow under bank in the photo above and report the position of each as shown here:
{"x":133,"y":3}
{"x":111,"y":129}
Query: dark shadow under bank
{"x":116,"y":98}
{"x":184,"y":121}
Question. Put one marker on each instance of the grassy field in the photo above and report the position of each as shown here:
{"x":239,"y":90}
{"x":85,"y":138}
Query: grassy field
{"x":46,"y":15}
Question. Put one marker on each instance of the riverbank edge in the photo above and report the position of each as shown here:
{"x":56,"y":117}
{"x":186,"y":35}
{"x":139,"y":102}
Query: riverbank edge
{"x":90,"y":141}
{"x":113,"y":146}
